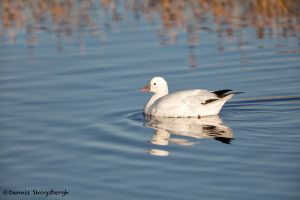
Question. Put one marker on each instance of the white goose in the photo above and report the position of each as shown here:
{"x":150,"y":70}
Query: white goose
{"x":186,"y":103}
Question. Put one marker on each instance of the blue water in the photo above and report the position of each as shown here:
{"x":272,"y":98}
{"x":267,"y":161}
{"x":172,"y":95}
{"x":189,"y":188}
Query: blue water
{"x":71,"y":114}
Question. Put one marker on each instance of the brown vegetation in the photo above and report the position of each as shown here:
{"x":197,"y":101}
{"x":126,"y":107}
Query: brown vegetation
{"x":75,"y":18}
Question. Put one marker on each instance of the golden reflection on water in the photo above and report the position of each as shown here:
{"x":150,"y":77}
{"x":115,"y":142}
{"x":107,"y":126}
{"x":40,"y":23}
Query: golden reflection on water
{"x":77,"y":20}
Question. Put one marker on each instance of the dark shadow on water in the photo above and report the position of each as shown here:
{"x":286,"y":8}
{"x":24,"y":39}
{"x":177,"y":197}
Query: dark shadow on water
{"x":137,"y":116}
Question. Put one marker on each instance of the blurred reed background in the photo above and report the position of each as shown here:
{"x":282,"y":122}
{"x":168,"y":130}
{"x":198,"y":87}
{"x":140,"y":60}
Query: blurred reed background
{"x":75,"y":19}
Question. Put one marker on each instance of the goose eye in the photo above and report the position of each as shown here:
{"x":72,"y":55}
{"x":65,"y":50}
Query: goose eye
{"x":154,"y":83}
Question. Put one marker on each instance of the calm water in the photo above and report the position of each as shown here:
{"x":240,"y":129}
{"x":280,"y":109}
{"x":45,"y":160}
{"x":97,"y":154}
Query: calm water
{"x":71,"y":111}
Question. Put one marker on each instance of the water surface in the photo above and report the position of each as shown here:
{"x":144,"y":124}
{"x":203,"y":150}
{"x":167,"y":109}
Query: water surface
{"x":71,"y":111}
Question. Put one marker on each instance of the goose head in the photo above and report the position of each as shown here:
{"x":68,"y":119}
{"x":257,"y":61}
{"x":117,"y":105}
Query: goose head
{"x":157,"y":85}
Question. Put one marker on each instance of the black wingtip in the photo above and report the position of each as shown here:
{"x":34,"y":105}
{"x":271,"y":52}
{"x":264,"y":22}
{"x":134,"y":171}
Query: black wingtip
{"x":219,"y":93}
{"x":209,"y":101}
{"x":226,"y":94}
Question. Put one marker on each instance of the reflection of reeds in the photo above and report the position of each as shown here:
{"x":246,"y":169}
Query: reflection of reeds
{"x":64,"y":18}
{"x":279,"y":16}
{"x":67,"y":18}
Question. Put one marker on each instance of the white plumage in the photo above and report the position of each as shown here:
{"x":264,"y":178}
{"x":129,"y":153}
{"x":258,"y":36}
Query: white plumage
{"x":186,"y":103}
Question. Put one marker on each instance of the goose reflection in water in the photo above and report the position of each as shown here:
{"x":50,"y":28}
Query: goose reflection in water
{"x":166,"y":130}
